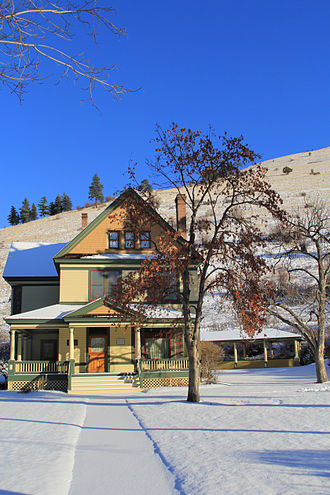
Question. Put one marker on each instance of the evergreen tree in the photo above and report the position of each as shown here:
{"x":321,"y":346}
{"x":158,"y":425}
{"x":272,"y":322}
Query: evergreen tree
{"x":51,"y":208}
{"x":96,"y":190}
{"x":66,"y":203}
{"x":13,"y":217}
{"x":58,"y":204}
{"x":25,"y":211}
{"x":43,"y":207}
{"x":145,"y":187}
{"x":33,"y":212}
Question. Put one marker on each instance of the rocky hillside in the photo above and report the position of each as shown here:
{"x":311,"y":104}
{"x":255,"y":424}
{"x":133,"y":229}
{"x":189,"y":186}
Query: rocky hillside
{"x":310,"y":177}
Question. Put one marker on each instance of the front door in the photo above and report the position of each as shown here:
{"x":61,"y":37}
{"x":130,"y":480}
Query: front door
{"x":97,"y":353}
{"x":48,"y":350}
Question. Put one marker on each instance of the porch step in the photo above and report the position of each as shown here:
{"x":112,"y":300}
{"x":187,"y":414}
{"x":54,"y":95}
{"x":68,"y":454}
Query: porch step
{"x":104,"y":383}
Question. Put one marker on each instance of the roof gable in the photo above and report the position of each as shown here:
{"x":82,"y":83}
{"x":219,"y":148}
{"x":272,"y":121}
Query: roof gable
{"x":93,"y":239}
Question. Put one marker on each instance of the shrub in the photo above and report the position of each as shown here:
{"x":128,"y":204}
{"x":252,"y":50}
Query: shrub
{"x":211,"y":355}
{"x":287,"y":170}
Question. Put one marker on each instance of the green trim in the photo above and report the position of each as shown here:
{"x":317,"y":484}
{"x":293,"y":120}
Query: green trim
{"x":164,"y":374}
{"x":11,"y":321}
{"x":53,"y":281}
{"x":109,"y":347}
{"x":87,"y":354}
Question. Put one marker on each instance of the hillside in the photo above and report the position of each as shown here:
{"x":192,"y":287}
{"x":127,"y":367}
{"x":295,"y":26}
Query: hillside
{"x":310,"y":177}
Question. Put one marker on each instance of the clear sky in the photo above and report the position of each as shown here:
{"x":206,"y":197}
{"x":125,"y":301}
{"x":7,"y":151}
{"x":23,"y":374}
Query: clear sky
{"x":260,"y":68}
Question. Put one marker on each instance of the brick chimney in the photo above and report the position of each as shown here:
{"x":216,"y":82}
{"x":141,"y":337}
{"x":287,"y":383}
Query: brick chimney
{"x":180,"y":202}
{"x":84,"y":220}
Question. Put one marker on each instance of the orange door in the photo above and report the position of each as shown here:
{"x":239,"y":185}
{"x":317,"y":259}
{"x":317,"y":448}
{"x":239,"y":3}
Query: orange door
{"x":97,"y":351}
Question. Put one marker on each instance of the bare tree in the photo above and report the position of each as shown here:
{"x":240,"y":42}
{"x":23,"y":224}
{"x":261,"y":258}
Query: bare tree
{"x":35,"y":31}
{"x":303,"y":272}
{"x":208,"y":173}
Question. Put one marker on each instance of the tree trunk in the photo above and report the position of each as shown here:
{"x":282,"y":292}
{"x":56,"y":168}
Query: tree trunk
{"x":321,"y":373}
{"x":194,"y":376}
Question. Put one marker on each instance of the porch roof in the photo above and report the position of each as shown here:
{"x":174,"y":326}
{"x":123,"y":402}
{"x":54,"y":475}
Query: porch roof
{"x":236,"y":335}
{"x":53,"y":312}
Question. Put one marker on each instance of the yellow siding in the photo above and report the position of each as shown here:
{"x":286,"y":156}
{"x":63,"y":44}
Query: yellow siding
{"x":74,"y":286}
{"x":79,"y":349}
{"x":120,"y":354}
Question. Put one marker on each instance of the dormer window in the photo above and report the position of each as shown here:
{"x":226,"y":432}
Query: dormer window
{"x":145,"y":240}
{"x":113,"y":240}
{"x":129,"y":240}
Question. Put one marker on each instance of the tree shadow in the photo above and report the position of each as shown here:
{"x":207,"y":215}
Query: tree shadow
{"x":304,"y":462}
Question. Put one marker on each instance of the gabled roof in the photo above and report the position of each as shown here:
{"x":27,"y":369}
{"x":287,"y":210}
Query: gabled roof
{"x":128,"y":193}
{"x":31,"y":259}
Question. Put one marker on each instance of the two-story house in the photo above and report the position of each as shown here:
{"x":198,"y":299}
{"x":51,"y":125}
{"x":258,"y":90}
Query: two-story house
{"x":67,"y":333}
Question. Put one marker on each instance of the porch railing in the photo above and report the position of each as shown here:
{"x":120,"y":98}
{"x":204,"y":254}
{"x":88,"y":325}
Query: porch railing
{"x":164,"y":364}
{"x":37,"y":367}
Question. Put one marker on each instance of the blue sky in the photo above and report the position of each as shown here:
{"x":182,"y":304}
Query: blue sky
{"x":252,"y":67}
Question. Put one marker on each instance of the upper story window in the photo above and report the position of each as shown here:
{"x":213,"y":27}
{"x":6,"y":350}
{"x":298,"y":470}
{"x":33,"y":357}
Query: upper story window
{"x":102,"y":283}
{"x":129,"y":240}
{"x":145,"y":240}
{"x":113,"y":240}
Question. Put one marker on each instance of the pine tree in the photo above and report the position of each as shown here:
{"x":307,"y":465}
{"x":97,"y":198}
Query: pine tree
{"x":43,"y":207}
{"x":96,"y":190}
{"x":25,"y":211}
{"x":13,"y":217}
{"x":66,"y":203}
{"x":51,"y":208}
{"x":58,"y":204}
{"x":33,"y":212}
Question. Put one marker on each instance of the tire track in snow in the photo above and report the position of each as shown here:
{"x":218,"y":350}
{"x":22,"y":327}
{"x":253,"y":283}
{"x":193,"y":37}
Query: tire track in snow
{"x":177,"y":481}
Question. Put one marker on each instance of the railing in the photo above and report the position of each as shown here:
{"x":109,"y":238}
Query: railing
{"x":164,"y":364}
{"x":37,"y":367}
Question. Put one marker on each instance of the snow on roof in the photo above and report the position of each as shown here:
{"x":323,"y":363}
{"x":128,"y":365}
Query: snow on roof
{"x":236,"y":334}
{"x":53,"y":312}
{"x":32,"y":259}
{"x":117,"y":256}
{"x":158,"y":311}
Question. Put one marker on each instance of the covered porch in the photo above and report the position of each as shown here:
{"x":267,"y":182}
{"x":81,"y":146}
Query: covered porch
{"x":48,"y":354}
{"x":240,"y":344}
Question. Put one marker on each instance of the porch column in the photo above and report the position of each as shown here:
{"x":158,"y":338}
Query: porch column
{"x":12,"y":345}
{"x":265,"y":355}
{"x":137,"y":343}
{"x":244,"y":350}
{"x":25,"y":347}
{"x":296,"y":353}
{"x":71,"y":343}
{"x":271,"y":350}
{"x":19,"y":347}
{"x":235,"y":355}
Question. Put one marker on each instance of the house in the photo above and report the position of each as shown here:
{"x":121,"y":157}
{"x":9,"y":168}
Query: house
{"x":68,"y":333}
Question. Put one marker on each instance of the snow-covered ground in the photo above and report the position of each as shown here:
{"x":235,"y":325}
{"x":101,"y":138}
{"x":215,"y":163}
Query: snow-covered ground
{"x":258,"y":431}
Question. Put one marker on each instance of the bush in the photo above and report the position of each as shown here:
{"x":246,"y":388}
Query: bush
{"x":211,"y":355}
{"x":287,"y":170}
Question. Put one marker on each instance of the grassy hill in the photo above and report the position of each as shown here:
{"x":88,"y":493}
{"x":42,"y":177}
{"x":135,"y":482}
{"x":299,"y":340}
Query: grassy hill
{"x":310,"y":177}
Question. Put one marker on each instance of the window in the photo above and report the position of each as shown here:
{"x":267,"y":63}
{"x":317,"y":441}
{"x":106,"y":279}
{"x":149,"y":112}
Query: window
{"x":129,"y":240}
{"x":162,"y":344}
{"x":113,"y":240}
{"x":145,"y":240}
{"x":103,"y":283}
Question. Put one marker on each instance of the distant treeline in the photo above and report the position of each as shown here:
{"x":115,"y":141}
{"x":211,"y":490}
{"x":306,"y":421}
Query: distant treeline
{"x":27,"y":213}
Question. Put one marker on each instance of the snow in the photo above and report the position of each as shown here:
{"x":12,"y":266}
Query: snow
{"x":118,"y":256}
{"x":257,"y":431}
{"x":31,"y":259}
{"x":236,"y":334}
{"x":53,"y":312}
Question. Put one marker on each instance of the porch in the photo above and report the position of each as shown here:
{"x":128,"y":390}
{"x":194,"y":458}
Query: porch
{"x":60,"y":375}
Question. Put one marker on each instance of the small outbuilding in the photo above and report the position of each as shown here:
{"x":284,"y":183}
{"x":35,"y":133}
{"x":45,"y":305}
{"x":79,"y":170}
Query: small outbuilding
{"x":241,"y":343}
